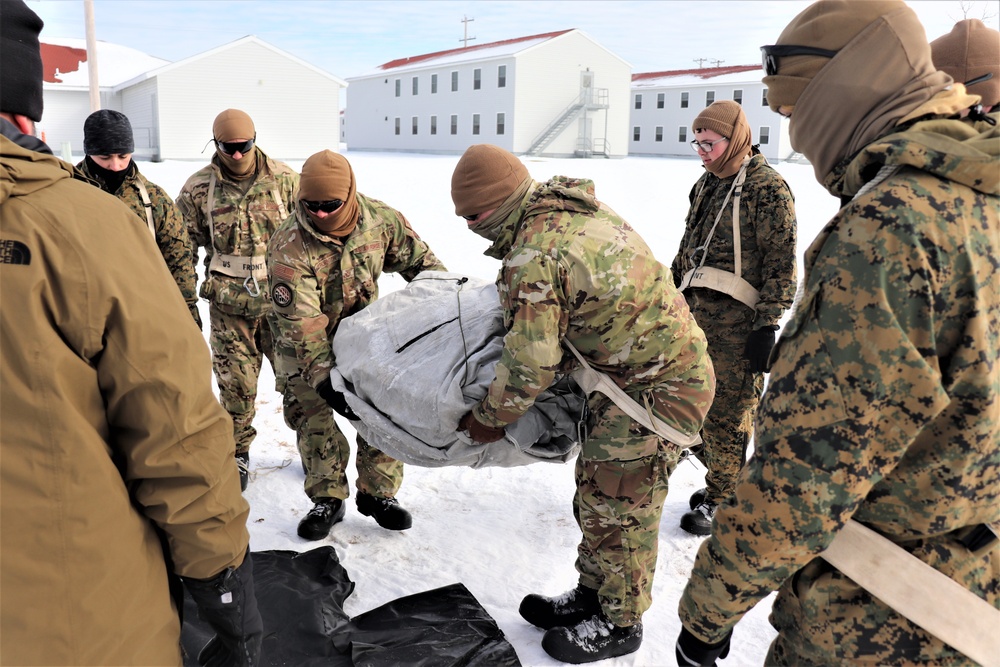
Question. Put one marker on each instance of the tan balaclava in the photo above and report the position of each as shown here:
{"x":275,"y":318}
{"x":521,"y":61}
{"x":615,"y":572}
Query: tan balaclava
{"x":727,"y":118}
{"x":230,"y":125}
{"x":488,"y":177}
{"x":882,"y":71}
{"x":969,"y":51}
{"x":327,"y":176}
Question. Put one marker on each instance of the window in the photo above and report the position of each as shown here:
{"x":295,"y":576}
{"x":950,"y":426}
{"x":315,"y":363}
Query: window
{"x":764,"y":135}
{"x":397,"y":126}
{"x":454,"y":124}
{"x":434,"y":83}
{"x":763,"y":98}
{"x":501,"y":118}
{"x":682,"y":134}
{"x":638,"y":101}
{"x":660,"y":100}
{"x":454,"y":81}
{"x":635,"y":133}
{"x":709,"y":98}
{"x":659,"y":133}
{"x":684,"y":100}
{"x":738,"y":96}
{"x":398,"y":87}
{"x":477,"y":79}
{"x":502,"y":76}
{"x":414,"y":125}
{"x":475,"y":123}
{"x":415,"y":85}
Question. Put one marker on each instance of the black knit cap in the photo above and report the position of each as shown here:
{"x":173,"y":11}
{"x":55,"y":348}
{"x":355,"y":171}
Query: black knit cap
{"x":21,"y":58}
{"x":107,"y":132}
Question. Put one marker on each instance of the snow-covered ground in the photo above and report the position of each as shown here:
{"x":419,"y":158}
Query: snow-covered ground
{"x":503,"y":533}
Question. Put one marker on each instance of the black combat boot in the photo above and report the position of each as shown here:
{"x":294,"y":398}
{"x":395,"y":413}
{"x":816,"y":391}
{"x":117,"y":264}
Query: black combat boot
{"x":387,"y":512}
{"x":243,"y":463}
{"x":697,"y":497}
{"x":567,"y":609}
{"x":317,"y":524}
{"x":595,"y":638}
{"x":699,"y":520}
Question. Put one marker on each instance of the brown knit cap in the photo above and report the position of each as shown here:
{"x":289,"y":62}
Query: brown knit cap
{"x":971,"y":50}
{"x":233,"y":124}
{"x":484,"y":177}
{"x":827,"y":24}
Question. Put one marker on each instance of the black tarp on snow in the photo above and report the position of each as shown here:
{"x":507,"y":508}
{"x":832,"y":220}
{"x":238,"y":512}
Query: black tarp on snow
{"x":301,"y":598}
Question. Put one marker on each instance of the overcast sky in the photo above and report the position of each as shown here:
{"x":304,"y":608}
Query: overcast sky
{"x":352,"y":37}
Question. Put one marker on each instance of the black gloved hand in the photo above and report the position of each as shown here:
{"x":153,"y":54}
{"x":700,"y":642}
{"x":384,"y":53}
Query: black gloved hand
{"x":758,"y":349}
{"x":228,"y":604}
{"x":336,"y":400}
{"x":692,"y":652}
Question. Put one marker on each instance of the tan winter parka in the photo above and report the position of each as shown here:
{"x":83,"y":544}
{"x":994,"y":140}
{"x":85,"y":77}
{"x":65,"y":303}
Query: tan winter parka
{"x":110,"y":435}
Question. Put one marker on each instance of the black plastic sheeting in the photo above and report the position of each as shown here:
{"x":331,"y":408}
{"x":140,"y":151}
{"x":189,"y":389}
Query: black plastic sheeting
{"x":301,"y":598}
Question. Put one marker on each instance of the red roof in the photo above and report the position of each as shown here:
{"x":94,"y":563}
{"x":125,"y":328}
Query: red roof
{"x":63,"y":59}
{"x":705,"y":72}
{"x":399,"y":62}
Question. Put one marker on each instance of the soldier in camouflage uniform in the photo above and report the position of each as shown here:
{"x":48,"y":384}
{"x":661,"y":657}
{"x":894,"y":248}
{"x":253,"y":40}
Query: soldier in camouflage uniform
{"x":738,"y":189}
{"x":884,"y":400}
{"x":231,"y":208}
{"x":108,"y":143}
{"x":325,"y":261}
{"x":575,"y":272}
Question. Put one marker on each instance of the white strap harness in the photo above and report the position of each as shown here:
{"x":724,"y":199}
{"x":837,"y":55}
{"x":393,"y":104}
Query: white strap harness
{"x":727,"y":282}
{"x":931,"y":599}
{"x":591,"y":380}
{"x":148,"y":205}
{"x":252,"y":269}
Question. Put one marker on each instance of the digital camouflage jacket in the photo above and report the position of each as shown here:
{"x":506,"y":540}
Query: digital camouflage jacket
{"x":319,"y":280}
{"x":767,"y":239}
{"x":883,"y":406}
{"x":170,"y":233}
{"x":573,"y":269}
{"x":243,"y":224}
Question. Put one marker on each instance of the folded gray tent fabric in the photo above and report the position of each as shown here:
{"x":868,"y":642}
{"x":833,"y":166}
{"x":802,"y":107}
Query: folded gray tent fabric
{"x":416,"y":360}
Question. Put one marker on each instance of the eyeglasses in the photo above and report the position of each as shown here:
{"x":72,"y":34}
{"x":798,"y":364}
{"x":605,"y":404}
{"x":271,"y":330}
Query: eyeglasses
{"x":978,"y":79}
{"x":472,"y":218}
{"x":706,"y":146}
{"x":232,"y":147}
{"x":771,"y":53}
{"x":325,"y":206}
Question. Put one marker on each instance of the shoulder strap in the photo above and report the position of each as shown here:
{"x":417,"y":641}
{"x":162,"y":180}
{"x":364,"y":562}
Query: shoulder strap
{"x":144,"y":194}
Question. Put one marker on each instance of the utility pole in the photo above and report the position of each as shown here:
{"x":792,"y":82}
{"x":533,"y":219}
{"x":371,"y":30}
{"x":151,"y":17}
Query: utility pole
{"x":465,"y":31}
{"x":700,"y":61}
{"x":717,"y":63}
{"x":95,"y":91}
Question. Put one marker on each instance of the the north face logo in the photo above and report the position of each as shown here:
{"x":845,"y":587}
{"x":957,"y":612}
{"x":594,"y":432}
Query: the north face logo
{"x":14,"y":252}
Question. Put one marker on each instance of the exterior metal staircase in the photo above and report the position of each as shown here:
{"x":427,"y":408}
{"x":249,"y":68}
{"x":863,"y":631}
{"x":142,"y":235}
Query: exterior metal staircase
{"x":588,"y":100}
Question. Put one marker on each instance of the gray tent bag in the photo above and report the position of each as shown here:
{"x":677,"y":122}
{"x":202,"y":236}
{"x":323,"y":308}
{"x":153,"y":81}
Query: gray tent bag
{"x":412,"y":363}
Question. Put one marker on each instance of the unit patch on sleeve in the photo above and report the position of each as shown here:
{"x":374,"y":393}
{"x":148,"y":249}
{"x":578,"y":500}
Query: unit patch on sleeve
{"x":282,"y":295}
{"x":283,"y":272}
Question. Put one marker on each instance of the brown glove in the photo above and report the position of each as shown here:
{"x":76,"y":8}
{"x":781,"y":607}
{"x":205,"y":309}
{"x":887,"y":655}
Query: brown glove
{"x":478,"y":431}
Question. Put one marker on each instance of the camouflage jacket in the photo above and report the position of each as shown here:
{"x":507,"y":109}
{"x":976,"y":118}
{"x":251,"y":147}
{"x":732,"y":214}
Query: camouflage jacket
{"x":318,"y":280}
{"x":884,"y":399}
{"x":169,"y":230}
{"x":243,"y":223}
{"x":767,"y":240}
{"x":573,"y":269}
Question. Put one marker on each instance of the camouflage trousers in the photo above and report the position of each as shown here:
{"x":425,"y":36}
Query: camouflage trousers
{"x":729,"y":424}
{"x":824,"y":618}
{"x":239,"y":345}
{"x":618,"y":505}
{"x":326,"y":453}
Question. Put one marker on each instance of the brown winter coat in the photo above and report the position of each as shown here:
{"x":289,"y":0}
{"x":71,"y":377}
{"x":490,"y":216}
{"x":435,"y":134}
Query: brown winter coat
{"x":109,"y":431}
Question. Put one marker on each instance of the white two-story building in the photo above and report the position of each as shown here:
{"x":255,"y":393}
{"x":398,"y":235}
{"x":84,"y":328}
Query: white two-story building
{"x":557,"y":94}
{"x":664,"y":104}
